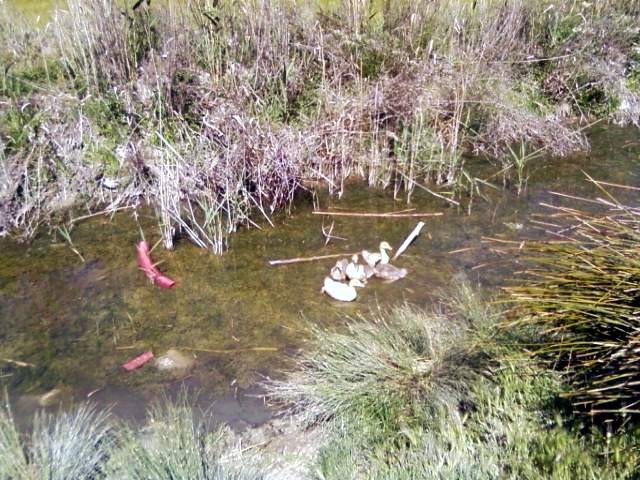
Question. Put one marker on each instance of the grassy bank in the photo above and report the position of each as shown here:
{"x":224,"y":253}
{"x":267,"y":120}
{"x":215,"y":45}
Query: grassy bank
{"x":216,"y":114}
{"x":84,"y":444}
{"x":440,"y":393}
{"x":446,"y":394}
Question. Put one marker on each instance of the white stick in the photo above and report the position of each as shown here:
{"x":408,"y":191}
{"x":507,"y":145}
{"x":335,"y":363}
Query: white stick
{"x":410,"y":238}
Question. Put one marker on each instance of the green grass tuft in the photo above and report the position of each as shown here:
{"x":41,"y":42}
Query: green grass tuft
{"x":175,"y":445}
{"x":68,"y":445}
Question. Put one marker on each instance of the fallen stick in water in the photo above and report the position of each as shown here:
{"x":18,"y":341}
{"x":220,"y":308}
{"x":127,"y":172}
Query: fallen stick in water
{"x":309,"y":259}
{"x":233,"y":350}
{"x":378,"y":215}
{"x":412,"y":236}
{"x":18,"y":363}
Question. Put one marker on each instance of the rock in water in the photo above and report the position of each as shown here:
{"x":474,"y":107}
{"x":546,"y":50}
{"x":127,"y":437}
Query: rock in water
{"x":174,"y":360}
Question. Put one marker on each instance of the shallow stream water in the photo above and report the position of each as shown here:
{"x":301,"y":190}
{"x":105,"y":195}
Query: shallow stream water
{"x":237,"y":318}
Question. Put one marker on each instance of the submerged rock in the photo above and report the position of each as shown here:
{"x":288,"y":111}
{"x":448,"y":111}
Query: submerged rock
{"x":174,"y":360}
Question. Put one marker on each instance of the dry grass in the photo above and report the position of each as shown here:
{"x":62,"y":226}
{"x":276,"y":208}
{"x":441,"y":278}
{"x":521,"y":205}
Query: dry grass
{"x":214,"y":113}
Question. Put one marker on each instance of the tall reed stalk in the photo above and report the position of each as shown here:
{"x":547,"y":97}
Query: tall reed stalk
{"x":582,"y":293}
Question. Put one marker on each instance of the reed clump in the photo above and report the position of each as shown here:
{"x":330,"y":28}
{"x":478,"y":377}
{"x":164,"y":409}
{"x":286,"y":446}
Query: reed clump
{"x":383,"y":371}
{"x":175,"y":444}
{"x":581,"y":294}
{"x":443,"y":393}
{"x":215,"y":113}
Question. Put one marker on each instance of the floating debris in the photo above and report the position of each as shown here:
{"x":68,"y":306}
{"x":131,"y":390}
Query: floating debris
{"x":410,"y":238}
{"x":138,"y":361}
{"x":143,"y":255}
{"x":50,"y":398}
{"x":513,"y":226}
{"x":378,"y":215}
{"x":18,"y":363}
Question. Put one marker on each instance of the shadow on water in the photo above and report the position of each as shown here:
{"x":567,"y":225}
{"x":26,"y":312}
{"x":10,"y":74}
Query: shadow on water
{"x":237,"y":318}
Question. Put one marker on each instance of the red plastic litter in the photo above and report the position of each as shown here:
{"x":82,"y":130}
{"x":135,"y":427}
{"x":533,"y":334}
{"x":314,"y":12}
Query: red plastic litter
{"x":163,"y":281}
{"x":144,"y":259}
{"x":145,"y":264}
{"x":138,"y":361}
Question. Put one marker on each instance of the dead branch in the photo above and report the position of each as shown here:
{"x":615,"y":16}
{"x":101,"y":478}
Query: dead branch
{"x":412,"y":236}
{"x":379,"y":215}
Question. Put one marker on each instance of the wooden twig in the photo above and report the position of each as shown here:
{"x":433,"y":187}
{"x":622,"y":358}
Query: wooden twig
{"x":617,"y":185}
{"x":328,"y":235}
{"x":309,"y":259}
{"x":462,"y":250}
{"x":18,"y":363}
{"x":234,"y":350}
{"x":93,"y":392}
{"x":412,"y":236}
{"x":104,"y":212}
{"x":406,"y":210}
{"x":382,"y":215}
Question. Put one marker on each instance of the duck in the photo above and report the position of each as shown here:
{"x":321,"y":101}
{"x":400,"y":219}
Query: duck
{"x":389,"y":272}
{"x":339,"y":291}
{"x":373,"y":258}
{"x":338,"y":270}
{"x":355,"y":271}
{"x":369,"y":271}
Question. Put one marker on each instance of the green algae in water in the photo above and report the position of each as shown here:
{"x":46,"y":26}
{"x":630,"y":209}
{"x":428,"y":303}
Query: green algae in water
{"x":78,"y":322}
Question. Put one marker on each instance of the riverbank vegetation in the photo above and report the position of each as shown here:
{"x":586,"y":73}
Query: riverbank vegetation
{"x":446,"y":392}
{"x":216,"y":113}
{"x":582,"y":295}
{"x":85,"y":444}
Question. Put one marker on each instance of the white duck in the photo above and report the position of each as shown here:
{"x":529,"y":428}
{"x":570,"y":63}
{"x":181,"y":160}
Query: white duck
{"x":338,"y":271}
{"x":373,"y":258}
{"x":355,"y":271}
{"x":339,"y":291}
